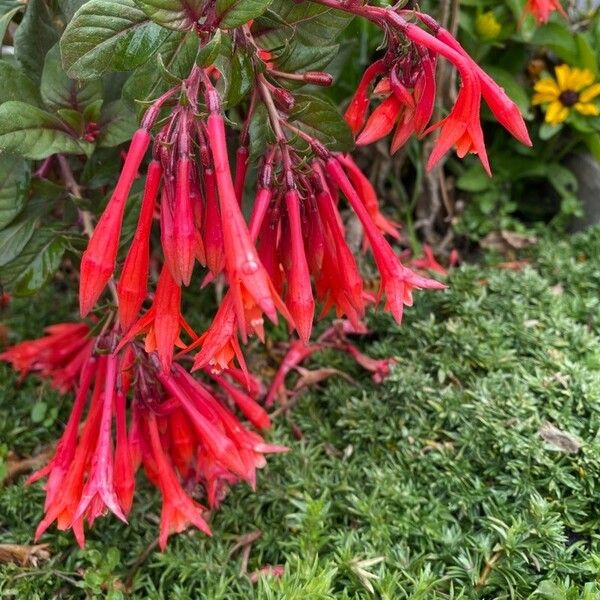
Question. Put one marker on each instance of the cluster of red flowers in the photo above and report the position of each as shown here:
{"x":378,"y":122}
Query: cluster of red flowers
{"x":290,"y":255}
{"x":178,"y":430}
{"x":407,"y":86}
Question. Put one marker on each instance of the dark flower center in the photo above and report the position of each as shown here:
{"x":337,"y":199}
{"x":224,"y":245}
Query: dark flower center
{"x":569,"y":98}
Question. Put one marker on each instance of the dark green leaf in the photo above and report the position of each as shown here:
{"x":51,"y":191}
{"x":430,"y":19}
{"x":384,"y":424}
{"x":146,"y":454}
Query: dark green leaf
{"x":236,"y":73}
{"x":14,"y":180}
{"x":117,"y":124}
{"x":16,"y":85}
{"x":261,"y":133}
{"x":297,"y":57}
{"x":36,"y":134}
{"x":107,"y":35}
{"x":321,"y":119}
{"x":178,"y":54}
{"x":15,"y":237}
{"x":35,"y":36}
{"x":174,"y":14}
{"x":60,"y":91}
{"x":38,"y":261}
{"x":307,"y":22}
{"x":234,"y":13}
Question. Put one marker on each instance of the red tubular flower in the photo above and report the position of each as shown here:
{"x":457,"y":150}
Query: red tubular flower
{"x":219,"y":344}
{"x":253,"y":411}
{"x":99,"y":492}
{"x":356,"y":113}
{"x":505,"y":111}
{"x":299,"y":296}
{"x":428,"y":262}
{"x":184,"y":230}
{"x":133,"y":283}
{"x":241,"y":168}
{"x":61,"y":506}
{"x":249,"y":282}
{"x":59,"y":356}
{"x":178,"y":509}
{"x":182,"y":442}
{"x":542,"y":9}
{"x":339,"y":283}
{"x":163,"y":322}
{"x":462,"y":128}
{"x":381,"y":121}
{"x":368,"y":196}
{"x":98,"y":260}
{"x":124,"y":479}
{"x":397,"y":281}
{"x":213,"y":229}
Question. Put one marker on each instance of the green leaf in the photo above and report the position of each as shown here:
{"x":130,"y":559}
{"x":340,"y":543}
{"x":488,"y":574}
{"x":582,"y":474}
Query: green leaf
{"x":210,"y":51}
{"x":38,"y":411}
{"x":308,"y":23}
{"x":298,"y":57}
{"x":237,"y":73}
{"x":38,"y":261}
{"x":15,"y":237}
{"x":35,"y":36}
{"x":107,"y":35}
{"x":60,"y":91}
{"x":14,"y":181}
{"x":33,"y":133}
{"x":588,"y":57}
{"x":16,"y":85}
{"x":474,"y":180}
{"x":8,"y":11}
{"x":117,"y":125}
{"x":177,"y":55}
{"x":558,"y":38}
{"x":173,"y":14}
{"x":261,"y":132}
{"x":234,"y":13}
{"x":321,"y":119}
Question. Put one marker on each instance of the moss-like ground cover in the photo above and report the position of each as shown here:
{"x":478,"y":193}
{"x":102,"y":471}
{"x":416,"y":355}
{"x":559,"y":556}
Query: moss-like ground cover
{"x":435,"y":484}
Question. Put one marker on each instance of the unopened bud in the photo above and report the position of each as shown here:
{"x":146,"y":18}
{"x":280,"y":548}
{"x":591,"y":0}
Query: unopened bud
{"x":318,"y":78}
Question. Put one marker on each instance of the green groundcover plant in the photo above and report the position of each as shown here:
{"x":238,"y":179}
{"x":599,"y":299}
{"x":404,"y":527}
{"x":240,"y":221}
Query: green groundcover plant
{"x":235,"y":175}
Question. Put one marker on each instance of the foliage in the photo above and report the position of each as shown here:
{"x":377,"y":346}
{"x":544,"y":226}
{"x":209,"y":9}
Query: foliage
{"x":440,"y":470}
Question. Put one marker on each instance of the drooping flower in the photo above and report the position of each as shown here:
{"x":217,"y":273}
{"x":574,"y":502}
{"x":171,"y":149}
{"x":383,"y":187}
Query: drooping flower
{"x":59,"y":356}
{"x":573,"y":89}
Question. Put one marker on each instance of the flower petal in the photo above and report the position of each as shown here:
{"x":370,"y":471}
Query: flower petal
{"x":590,"y":93}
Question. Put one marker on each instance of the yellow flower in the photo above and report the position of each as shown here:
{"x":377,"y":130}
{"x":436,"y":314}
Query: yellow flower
{"x":573,"y":89}
{"x":487,"y":26}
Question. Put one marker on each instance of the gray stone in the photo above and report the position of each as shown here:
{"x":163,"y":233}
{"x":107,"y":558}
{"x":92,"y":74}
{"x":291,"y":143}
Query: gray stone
{"x":587,"y":171}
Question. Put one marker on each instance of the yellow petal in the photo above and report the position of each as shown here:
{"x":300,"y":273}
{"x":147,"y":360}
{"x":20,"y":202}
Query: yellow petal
{"x":563,"y":77}
{"x":543,"y":98}
{"x":547,"y":86}
{"x":556,"y":113}
{"x":590,"y":93}
{"x":587,"y":108}
{"x":580,"y":78}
